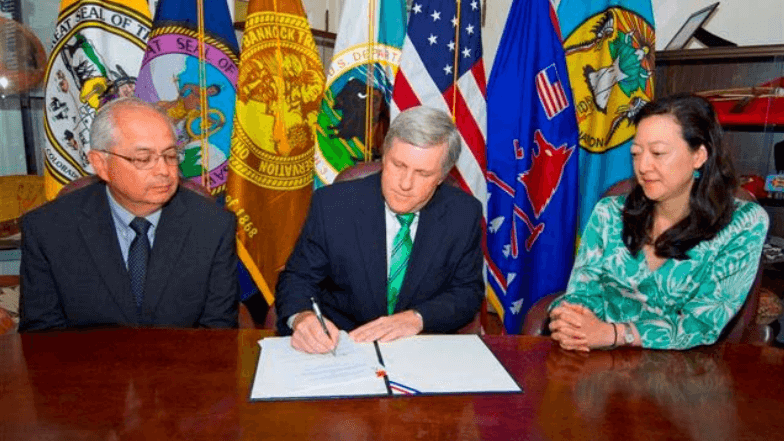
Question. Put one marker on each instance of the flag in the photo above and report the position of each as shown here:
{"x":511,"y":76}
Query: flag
{"x":609,"y":47}
{"x":366,"y":51}
{"x":531,"y":165}
{"x":551,"y":92}
{"x":280,"y":87}
{"x":97,"y":49}
{"x":437,"y":38}
{"x":200,"y":105}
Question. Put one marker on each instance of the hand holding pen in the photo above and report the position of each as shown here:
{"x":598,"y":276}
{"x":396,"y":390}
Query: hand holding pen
{"x":313,"y":333}
{"x":320,"y":318}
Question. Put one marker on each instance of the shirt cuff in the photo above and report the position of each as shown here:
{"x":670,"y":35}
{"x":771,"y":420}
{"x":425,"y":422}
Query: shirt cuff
{"x":420,"y":317}
{"x":291,"y":319}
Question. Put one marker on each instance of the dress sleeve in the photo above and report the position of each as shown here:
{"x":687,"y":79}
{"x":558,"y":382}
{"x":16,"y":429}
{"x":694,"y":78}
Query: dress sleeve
{"x":723,"y":285}
{"x":584,"y":285}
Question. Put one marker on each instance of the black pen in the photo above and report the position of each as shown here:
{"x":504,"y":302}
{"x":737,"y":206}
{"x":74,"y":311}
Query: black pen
{"x":320,"y":318}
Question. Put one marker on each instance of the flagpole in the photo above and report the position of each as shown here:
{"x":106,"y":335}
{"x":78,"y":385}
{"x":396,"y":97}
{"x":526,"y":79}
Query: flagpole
{"x":455,"y":74}
{"x":203,"y":135}
{"x":368,"y":147}
{"x":279,"y":128}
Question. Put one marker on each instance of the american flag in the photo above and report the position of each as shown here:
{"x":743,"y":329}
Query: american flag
{"x":438,"y":37}
{"x":551,"y":93}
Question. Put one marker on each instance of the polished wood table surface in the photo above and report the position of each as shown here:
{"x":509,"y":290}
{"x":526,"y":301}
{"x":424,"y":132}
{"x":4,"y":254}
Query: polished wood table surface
{"x":125,"y":384}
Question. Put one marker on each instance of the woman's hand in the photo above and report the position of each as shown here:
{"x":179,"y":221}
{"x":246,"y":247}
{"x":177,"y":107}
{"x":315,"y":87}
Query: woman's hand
{"x":576,"y":328}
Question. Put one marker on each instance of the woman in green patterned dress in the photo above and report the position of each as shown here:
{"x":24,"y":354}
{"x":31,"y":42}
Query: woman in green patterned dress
{"x":668,"y":265}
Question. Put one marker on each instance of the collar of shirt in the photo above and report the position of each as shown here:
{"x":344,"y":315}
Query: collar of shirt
{"x":393,"y":226}
{"x":122,"y":224}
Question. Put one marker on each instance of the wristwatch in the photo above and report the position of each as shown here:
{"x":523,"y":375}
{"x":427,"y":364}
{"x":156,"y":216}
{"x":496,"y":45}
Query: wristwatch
{"x":628,"y":335}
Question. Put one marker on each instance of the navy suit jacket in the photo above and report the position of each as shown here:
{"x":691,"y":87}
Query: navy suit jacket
{"x":73,"y":273}
{"x":340,"y":259}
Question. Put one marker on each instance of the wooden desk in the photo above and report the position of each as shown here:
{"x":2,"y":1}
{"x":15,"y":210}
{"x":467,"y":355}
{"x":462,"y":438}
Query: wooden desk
{"x":194,"y":384}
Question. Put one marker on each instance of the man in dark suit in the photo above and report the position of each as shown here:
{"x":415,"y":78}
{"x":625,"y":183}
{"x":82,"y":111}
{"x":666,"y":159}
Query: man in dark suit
{"x":348,"y":255}
{"x":134,"y":249}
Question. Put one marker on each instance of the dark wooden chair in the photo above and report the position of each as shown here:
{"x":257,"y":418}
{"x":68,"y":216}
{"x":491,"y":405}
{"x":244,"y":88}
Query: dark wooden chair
{"x":742,"y":328}
{"x":364,"y":169}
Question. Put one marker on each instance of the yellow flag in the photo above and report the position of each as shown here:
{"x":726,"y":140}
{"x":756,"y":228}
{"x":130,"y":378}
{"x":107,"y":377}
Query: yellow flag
{"x":97,"y":49}
{"x":279,"y":91}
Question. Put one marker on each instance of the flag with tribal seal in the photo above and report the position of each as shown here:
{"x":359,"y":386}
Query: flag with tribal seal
{"x":97,"y":50}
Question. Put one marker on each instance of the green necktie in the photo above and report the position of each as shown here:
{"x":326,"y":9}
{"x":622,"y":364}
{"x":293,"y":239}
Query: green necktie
{"x":401,"y":249}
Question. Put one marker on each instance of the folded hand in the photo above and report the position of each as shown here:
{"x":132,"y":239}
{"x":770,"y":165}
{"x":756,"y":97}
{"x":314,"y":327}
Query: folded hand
{"x":576,"y":327}
{"x":388,"y":328}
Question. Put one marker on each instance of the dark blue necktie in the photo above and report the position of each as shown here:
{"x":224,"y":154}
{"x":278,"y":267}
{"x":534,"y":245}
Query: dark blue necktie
{"x":138,"y":255}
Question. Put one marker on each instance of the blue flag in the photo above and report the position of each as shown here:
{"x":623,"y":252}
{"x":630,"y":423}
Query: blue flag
{"x":609,"y":46}
{"x":531,"y":165}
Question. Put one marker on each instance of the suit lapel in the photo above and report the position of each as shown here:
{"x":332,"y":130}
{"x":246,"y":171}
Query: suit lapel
{"x":170,"y":236}
{"x":371,"y":235}
{"x":100,"y":235}
{"x":429,"y":236}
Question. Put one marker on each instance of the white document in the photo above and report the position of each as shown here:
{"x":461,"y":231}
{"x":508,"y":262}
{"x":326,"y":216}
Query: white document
{"x":419,"y":365}
{"x":442,"y":364}
{"x":284,"y":372}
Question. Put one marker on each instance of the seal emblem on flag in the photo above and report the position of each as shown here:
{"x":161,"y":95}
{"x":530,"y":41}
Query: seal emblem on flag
{"x":608,"y":93}
{"x":277,"y":102}
{"x":169,"y":78}
{"x":341,"y":130}
{"x":96,"y":51}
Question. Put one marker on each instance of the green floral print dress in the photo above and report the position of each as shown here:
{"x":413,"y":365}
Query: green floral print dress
{"x":683,"y":303}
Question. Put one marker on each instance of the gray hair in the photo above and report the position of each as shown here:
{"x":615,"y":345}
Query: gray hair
{"x":103,"y":130}
{"x":426,"y":127}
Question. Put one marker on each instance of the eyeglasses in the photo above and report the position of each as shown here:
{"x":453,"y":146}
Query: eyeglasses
{"x":147,"y":160}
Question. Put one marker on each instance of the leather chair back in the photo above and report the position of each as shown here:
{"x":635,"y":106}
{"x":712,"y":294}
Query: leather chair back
{"x":359,"y":171}
{"x":364,"y":169}
{"x":84,"y":181}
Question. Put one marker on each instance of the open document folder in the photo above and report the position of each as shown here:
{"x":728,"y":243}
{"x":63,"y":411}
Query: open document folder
{"x":426,"y":365}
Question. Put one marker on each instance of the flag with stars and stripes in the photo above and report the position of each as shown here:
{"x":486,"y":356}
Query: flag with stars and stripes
{"x":531,"y":165}
{"x":438,"y":38}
